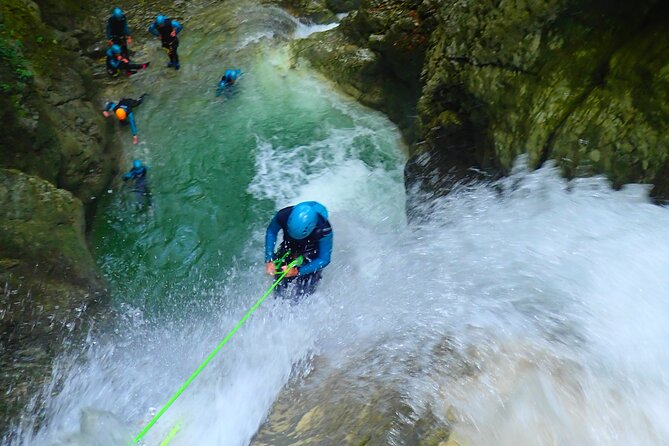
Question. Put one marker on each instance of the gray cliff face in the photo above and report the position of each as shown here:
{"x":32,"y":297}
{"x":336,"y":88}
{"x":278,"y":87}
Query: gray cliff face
{"x":376,"y":55}
{"x":50,"y":281}
{"x":53,"y":130}
{"x":581,"y":83}
{"x":56,"y":158}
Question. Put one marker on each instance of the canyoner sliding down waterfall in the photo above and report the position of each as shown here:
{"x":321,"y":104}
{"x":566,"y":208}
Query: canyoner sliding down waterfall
{"x":306,"y":233}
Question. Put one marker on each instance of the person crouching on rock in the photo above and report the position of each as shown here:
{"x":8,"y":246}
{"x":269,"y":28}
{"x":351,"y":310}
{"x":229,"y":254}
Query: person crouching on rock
{"x":116,"y":62}
{"x":118,"y":32}
{"x":123,"y":112}
{"x":167,"y":29}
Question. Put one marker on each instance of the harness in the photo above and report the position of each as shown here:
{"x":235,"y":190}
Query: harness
{"x":124,"y":103}
{"x":307,"y":247}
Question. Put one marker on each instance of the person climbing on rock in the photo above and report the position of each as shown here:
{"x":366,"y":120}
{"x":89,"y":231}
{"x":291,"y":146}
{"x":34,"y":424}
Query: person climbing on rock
{"x":116,"y":62}
{"x":167,"y":29}
{"x":123,"y":112}
{"x":117,"y":31}
{"x":307,"y":233}
{"x":141,"y":187}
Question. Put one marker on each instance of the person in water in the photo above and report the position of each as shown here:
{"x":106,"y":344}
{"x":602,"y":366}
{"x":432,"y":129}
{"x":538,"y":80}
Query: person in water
{"x":229,"y":78}
{"x":307,"y":233}
{"x":118,"y":32}
{"x":123,"y":110}
{"x":167,"y":29}
{"x":141,"y":188}
{"x":116,"y":62}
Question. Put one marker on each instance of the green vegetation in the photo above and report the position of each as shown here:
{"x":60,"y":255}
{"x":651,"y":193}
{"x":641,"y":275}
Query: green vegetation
{"x":14,"y":74}
{"x":23,"y":37}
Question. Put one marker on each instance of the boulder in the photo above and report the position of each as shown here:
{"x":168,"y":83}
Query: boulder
{"x":50,"y":281}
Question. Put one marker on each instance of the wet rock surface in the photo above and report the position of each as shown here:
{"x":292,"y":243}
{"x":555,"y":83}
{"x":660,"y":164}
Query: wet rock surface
{"x":376,"y":55}
{"x":58,"y":155}
{"x":335,"y":408}
{"x":50,"y":281}
{"x":581,"y":83}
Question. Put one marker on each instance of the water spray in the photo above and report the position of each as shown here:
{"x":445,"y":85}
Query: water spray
{"x":297,"y":262}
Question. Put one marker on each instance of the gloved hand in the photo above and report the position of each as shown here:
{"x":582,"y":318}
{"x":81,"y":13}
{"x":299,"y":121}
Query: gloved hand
{"x":135,"y":139}
{"x":173,"y":33}
{"x":292,"y":272}
{"x":270,"y":268}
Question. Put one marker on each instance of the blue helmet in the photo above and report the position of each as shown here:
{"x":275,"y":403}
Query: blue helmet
{"x":117,"y":13}
{"x":302,"y":221}
{"x":160,"y":20}
{"x":115,"y":49}
{"x":136,"y":164}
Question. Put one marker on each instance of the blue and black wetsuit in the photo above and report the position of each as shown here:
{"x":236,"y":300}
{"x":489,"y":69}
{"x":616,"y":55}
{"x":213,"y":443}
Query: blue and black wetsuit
{"x":316,"y":250}
{"x":169,"y":41}
{"x":116,"y":62}
{"x":229,"y":78}
{"x":118,"y":33}
{"x":127,"y":104}
{"x":141,"y":188}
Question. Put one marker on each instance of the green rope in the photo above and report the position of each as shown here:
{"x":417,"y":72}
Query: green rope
{"x":171,"y":435}
{"x":191,"y":378}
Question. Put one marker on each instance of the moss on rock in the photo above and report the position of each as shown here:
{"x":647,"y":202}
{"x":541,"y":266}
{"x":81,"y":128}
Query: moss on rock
{"x":339,"y":410}
{"x":49,"y":278}
{"x":553,"y":79}
{"x":376,"y":55}
{"x":51,"y":128}
{"x":583,"y":83}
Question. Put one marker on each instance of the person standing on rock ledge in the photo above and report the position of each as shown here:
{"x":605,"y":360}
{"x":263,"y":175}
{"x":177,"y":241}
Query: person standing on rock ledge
{"x":123,"y":112}
{"x":307,"y":233}
{"x":167,"y":29}
{"x":118,"y":32}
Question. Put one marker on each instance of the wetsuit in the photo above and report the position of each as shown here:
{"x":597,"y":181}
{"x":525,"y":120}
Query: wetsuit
{"x":116,"y":62}
{"x":141,"y":188}
{"x":316,"y":250}
{"x":126,"y":104}
{"x":168,"y":36}
{"x":118,"y":33}
{"x":229,"y":78}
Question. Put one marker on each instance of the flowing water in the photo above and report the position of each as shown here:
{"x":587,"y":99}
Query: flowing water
{"x":529,"y":312}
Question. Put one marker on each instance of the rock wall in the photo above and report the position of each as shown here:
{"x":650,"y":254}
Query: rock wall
{"x":56,"y":157}
{"x":50,"y":281}
{"x":583,"y":83}
{"x":376,"y":55}
{"x":336,"y":408}
{"x":51,"y":128}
